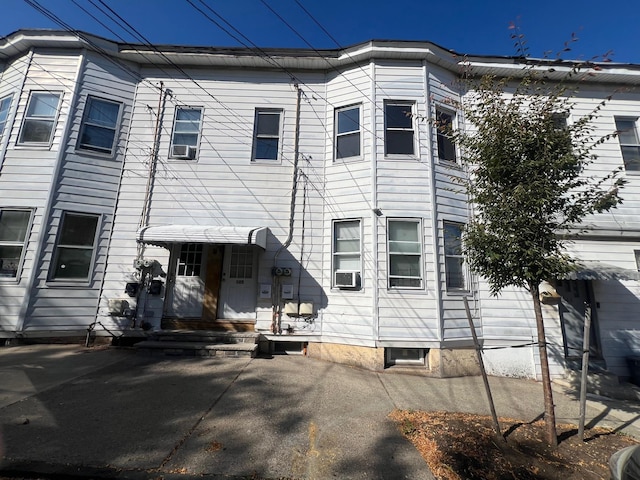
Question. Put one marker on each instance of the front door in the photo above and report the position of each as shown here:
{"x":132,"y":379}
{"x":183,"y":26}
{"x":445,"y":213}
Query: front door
{"x":238,"y":288}
{"x":576,"y":296}
{"x":187,"y":284}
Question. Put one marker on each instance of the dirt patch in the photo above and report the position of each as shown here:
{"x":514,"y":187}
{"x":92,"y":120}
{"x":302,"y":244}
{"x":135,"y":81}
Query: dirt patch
{"x":464,"y":446}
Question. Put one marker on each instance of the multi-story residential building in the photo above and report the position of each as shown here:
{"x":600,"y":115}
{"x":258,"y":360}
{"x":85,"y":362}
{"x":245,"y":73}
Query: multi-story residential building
{"x":294,"y":193}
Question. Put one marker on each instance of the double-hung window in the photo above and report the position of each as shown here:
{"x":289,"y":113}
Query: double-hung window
{"x":405,"y":254}
{"x":186,"y":132}
{"x":14,"y":226}
{"x":347,"y":254}
{"x":629,"y":142}
{"x":347,"y":132}
{"x":5,"y":103}
{"x":444,"y":126}
{"x":40,"y":118}
{"x":454,"y":258}
{"x":99,"y":126}
{"x":73,"y":255}
{"x":266,"y":134}
{"x":399,"y":128}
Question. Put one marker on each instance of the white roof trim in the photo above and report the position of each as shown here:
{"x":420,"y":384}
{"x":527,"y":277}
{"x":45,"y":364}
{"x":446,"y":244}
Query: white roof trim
{"x":163,"y":235}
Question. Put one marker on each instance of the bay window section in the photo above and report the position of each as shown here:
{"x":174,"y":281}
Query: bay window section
{"x":454,"y":258}
{"x":405,"y":254}
{"x":399,"y":136}
{"x":5,"y":103}
{"x":629,"y":142}
{"x":347,"y":132}
{"x":14,"y":227}
{"x":40,"y":118}
{"x":99,"y":126}
{"x":347,"y":254}
{"x":73,"y":254}
{"x":444,"y":125}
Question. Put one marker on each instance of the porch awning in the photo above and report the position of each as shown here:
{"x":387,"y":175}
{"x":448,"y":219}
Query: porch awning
{"x":163,"y":235}
{"x":602,"y":271}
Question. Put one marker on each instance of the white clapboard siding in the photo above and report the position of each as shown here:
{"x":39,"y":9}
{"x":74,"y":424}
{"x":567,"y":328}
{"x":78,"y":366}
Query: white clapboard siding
{"x":222,"y":186}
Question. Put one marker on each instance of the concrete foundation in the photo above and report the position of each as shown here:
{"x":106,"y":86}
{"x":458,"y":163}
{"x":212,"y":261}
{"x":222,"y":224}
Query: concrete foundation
{"x":439,"y":362}
{"x":363,"y":357}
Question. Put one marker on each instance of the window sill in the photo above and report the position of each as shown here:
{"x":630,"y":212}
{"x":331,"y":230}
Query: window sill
{"x":450,"y":164}
{"x":93,"y":153}
{"x":458,"y":293}
{"x":10,"y":280}
{"x":68,"y":283}
{"x":265,"y":162}
{"x":401,"y":156}
{"x":340,"y":161}
{"x":34,"y":146}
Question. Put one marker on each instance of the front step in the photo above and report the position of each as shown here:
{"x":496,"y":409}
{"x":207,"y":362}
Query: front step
{"x":201,"y":344}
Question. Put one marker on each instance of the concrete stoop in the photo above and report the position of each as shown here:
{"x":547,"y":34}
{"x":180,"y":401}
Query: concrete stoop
{"x":200,"y":344}
{"x":601,"y":383}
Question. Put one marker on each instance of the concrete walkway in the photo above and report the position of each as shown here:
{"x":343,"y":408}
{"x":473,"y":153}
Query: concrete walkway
{"x":108,"y":413}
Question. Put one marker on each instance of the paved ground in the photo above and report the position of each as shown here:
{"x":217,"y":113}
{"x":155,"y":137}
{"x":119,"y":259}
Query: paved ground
{"x":112,"y":413}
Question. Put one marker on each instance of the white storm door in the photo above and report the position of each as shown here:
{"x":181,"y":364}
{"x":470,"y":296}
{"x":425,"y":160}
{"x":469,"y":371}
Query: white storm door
{"x":238,"y":288}
{"x":187,"y":288}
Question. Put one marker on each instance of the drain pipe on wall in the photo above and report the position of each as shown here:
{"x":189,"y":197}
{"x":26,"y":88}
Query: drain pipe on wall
{"x":146,"y":206}
{"x":275,"y":282}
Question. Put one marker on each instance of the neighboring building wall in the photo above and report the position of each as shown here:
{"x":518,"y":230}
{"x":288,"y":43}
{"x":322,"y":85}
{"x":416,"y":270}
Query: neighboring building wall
{"x":27,"y":175}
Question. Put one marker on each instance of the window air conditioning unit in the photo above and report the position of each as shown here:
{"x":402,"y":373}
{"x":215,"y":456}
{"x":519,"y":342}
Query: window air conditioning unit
{"x":346,"y":279}
{"x":183,"y":151}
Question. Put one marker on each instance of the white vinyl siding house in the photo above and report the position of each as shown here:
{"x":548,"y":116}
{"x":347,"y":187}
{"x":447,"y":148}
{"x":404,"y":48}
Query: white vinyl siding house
{"x":129,"y":195}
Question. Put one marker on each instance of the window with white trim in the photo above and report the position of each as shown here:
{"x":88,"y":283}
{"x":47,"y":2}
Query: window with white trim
{"x":266,"y":134}
{"x":347,"y":129}
{"x":186,"y":132}
{"x":629,"y":143}
{"x":14,"y":227}
{"x":347,"y":254}
{"x":444,"y":126}
{"x":74,"y":251}
{"x":454,"y":258}
{"x":39,"y":122}
{"x":5,"y":103}
{"x":405,"y":253}
{"x":99,"y":125}
{"x":399,"y":138}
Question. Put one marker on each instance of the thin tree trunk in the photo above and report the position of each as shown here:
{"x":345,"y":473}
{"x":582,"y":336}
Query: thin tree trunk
{"x":549,"y":408}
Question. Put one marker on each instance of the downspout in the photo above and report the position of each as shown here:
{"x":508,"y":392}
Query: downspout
{"x":146,"y":206}
{"x":276,"y":294}
{"x":46,"y":217}
{"x":374,"y":207}
{"x":153,"y":159}
{"x":434,"y":207}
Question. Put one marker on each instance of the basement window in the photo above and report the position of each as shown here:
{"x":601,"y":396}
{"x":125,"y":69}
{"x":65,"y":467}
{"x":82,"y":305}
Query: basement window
{"x":405,"y":356}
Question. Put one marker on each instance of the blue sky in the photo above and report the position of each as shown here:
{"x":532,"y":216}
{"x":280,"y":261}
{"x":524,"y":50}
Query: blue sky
{"x":475,"y":27}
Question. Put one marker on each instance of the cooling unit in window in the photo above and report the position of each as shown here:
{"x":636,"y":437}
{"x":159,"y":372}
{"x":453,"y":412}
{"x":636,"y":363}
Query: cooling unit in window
{"x":346,"y":279}
{"x":186,"y":152}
